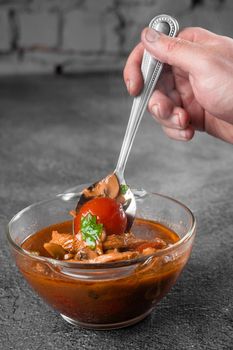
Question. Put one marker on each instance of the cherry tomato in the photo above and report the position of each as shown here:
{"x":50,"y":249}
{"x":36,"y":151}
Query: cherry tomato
{"x":108,"y":212}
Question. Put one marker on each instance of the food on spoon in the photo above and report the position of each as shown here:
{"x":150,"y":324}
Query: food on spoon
{"x":108,"y":187}
{"x":107,"y":211}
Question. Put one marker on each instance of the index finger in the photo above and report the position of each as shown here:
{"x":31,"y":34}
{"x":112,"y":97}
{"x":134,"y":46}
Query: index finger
{"x":132,"y":71}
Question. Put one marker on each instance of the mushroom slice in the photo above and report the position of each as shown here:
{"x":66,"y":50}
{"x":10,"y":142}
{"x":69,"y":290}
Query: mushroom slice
{"x":55,"y":250}
{"x":108,"y":187}
{"x":112,"y":186}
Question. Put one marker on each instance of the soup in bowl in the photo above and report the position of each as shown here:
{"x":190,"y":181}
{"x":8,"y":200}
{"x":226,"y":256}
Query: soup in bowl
{"x":117,"y":288}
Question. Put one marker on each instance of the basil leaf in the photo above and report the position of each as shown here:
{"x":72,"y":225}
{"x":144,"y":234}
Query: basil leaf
{"x":124,"y":188}
{"x":91,"y":231}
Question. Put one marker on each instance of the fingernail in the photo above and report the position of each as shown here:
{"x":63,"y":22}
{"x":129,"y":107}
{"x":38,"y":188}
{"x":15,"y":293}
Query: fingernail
{"x":183,"y":134}
{"x":151,"y":35}
{"x":155,"y":110}
{"x":128,"y":85}
{"x":175,"y":119}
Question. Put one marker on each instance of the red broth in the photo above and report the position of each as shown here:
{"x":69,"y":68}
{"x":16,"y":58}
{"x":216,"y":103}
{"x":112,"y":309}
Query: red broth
{"x":112,"y":299}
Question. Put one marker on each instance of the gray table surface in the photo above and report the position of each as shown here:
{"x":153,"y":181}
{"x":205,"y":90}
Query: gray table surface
{"x":57,"y":132}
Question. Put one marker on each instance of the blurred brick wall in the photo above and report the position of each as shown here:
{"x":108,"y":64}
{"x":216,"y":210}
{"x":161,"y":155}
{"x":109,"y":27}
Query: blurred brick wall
{"x":91,"y":35}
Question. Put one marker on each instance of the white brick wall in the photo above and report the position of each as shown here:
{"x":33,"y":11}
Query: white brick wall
{"x":98,"y":6}
{"x":217,"y":20}
{"x":38,"y":29}
{"x":174,"y":7}
{"x":111,"y":37}
{"x":82,"y":31}
{"x":5,"y":32}
{"x":91,"y":34}
{"x":138,"y":16}
{"x":52,"y":5}
{"x":229,"y":5}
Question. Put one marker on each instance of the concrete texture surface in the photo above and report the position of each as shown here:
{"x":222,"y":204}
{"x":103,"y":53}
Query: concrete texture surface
{"x":57,"y":132}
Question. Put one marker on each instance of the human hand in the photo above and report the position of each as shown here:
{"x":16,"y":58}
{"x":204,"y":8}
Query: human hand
{"x":195,"y":89}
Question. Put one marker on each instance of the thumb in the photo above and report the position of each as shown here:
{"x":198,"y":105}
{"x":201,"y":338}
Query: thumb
{"x":173,"y":51}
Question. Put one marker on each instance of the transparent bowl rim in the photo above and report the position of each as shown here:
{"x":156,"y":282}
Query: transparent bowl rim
{"x":95,"y":266}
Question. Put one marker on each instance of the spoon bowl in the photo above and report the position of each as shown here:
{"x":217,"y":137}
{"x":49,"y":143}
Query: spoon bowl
{"x":112,"y":186}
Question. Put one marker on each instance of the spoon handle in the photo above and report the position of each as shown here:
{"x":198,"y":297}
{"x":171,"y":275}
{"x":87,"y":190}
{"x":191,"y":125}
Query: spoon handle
{"x":151,"y":70}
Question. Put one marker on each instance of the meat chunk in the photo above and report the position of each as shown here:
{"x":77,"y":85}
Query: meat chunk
{"x":61,"y":238}
{"x":157,"y":243}
{"x":111,"y":248}
{"x":67,"y":241}
{"x":129,"y":241}
{"x":114,"y":256}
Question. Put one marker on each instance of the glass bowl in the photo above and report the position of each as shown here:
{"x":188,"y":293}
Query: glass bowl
{"x":109,"y":295}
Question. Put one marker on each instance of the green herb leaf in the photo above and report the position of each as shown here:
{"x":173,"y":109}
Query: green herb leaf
{"x":91,"y":231}
{"x":124,"y":189}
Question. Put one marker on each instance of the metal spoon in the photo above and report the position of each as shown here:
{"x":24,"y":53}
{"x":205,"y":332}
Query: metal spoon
{"x":111,"y":185}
